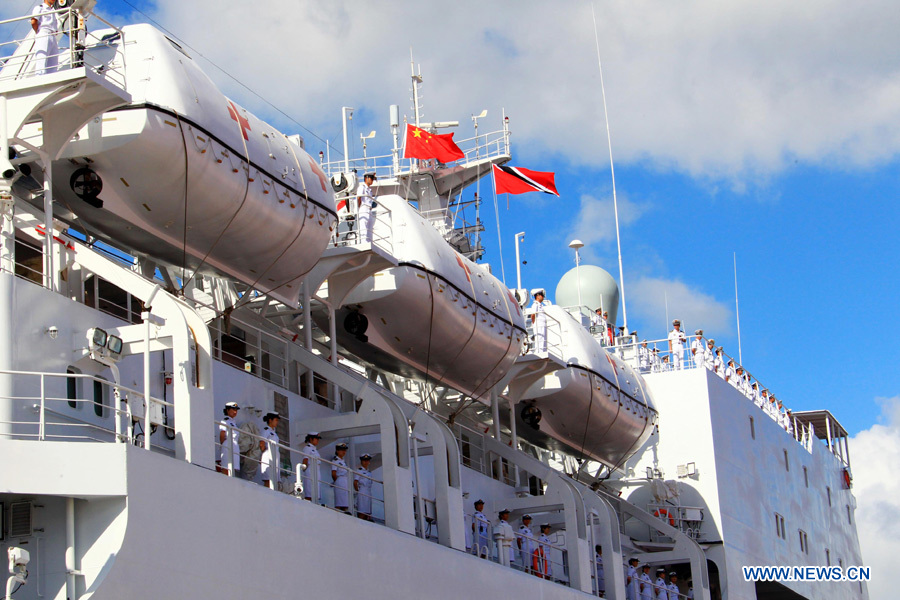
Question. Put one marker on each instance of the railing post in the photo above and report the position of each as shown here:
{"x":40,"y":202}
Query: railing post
{"x":230,"y":440}
{"x":43,"y":405}
{"x":314,"y":478}
{"x":117,"y":413}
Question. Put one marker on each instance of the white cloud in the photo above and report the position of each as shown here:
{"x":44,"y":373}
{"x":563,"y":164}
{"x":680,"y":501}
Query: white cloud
{"x":595,"y":222}
{"x":734,"y":90}
{"x":648,"y":297}
{"x":877,"y":490}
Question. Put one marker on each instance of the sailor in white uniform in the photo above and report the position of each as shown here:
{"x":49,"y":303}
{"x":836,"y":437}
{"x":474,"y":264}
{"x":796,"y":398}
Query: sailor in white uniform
{"x":599,"y":325}
{"x":269,"y":461}
{"x":363,"y":486}
{"x":673,"y":586}
{"x":709,"y":355}
{"x":45,"y":24}
{"x":526,"y":544}
{"x":772,"y":408}
{"x":644,"y":356}
{"x":655,"y":361}
{"x":504,"y":536}
{"x":789,"y":422}
{"x":228,"y":427}
{"x":481,"y":543}
{"x":660,"y":588}
{"x":631,"y":579}
{"x":729,"y":373}
{"x":677,"y":340}
{"x":340,"y":478}
{"x":539,"y":318}
{"x":645,"y":583}
{"x":366,"y":202}
{"x":754,"y":394}
{"x":698,"y":348}
{"x":542,"y":553}
{"x":601,"y":574}
{"x":738,"y":379}
{"x":719,"y":362}
{"x":311,"y":463}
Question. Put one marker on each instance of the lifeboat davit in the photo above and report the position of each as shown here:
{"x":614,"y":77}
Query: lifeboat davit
{"x":598,"y":406}
{"x":185,"y":175}
{"x":436,"y":317}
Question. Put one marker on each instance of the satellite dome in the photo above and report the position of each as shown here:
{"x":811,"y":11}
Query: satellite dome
{"x":598,"y":289}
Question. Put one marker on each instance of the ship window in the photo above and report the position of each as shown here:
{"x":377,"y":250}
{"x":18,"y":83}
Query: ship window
{"x":828,"y":493}
{"x":787,"y":465}
{"x":849,"y":519}
{"x":101,"y":398}
{"x":779,"y":527}
{"x":72,"y":385}
{"x":806,"y":476}
{"x":841,"y":563}
{"x":752,"y":429}
{"x":827,"y":557}
{"x":804,"y":542}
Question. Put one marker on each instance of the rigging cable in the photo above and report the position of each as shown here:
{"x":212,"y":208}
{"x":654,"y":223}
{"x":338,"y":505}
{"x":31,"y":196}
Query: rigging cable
{"x":226,"y":73}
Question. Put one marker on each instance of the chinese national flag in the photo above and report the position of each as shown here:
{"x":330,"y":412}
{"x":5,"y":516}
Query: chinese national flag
{"x":516,"y":180}
{"x":423,"y":145}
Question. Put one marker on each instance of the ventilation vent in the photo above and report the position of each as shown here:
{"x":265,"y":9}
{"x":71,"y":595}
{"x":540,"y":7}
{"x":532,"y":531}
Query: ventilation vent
{"x":21,"y":519}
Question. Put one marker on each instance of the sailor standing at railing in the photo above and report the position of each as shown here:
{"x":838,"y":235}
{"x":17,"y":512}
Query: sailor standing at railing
{"x":645,"y":583}
{"x":310,"y":463}
{"x":601,"y":575}
{"x":366,"y":203}
{"x":46,"y":49}
{"x":674,"y":592}
{"x":539,"y":318}
{"x":542,"y":553}
{"x":526,"y":543}
{"x":480,"y":528}
{"x":720,"y":362}
{"x":363,"y":486}
{"x":660,"y":587}
{"x":631,"y":579}
{"x":504,"y":536}
{"x":697,"y":348}
{"x":229,"y":427}
{"x":677,"y":340}
{"x":709,"y":355}
{"x":644,"y":356}
{"x":269,"y":460}
{"x":340,"y":477}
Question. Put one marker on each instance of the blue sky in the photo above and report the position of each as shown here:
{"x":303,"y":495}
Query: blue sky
{"x":756,"y":129}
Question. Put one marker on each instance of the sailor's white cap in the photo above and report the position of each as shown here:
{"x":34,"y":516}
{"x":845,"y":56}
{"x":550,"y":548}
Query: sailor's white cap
{"x":698,"y":332}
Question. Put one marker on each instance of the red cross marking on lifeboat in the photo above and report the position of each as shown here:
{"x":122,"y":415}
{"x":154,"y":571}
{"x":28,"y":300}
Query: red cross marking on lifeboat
{"x":514,"y":303}
{"x":613,"y":363}
{"x":237,"y":116}
{"x":463,"y":266}
{"x":317,"y":172}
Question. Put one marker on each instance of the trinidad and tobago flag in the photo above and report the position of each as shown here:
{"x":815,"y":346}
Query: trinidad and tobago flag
{"x":516,"y":180}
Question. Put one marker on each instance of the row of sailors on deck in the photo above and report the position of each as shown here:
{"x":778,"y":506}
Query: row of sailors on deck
{"x":270,"y":463}
{"x":534,"y":557}
{"x":640,"y":585}
{"x":705,"y":354}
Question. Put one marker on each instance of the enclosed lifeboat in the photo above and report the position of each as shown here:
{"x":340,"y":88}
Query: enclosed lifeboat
{"x":437,"y":316}
{"x":185,"y":175}
{"x":597,"y":406}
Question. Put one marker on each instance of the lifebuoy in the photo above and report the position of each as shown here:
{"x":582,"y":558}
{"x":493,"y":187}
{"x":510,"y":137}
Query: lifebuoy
{"x":664,"y":514}
{"x":847,"y":480}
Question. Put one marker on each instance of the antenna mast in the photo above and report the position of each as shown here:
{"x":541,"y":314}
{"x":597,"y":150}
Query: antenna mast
{"x":612,"y":171}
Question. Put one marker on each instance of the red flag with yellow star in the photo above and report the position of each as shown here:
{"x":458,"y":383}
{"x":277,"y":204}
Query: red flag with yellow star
{"x":423,"y":145}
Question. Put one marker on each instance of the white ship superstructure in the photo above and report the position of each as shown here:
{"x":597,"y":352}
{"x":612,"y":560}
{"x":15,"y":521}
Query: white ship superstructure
{"x":164,"y":253}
